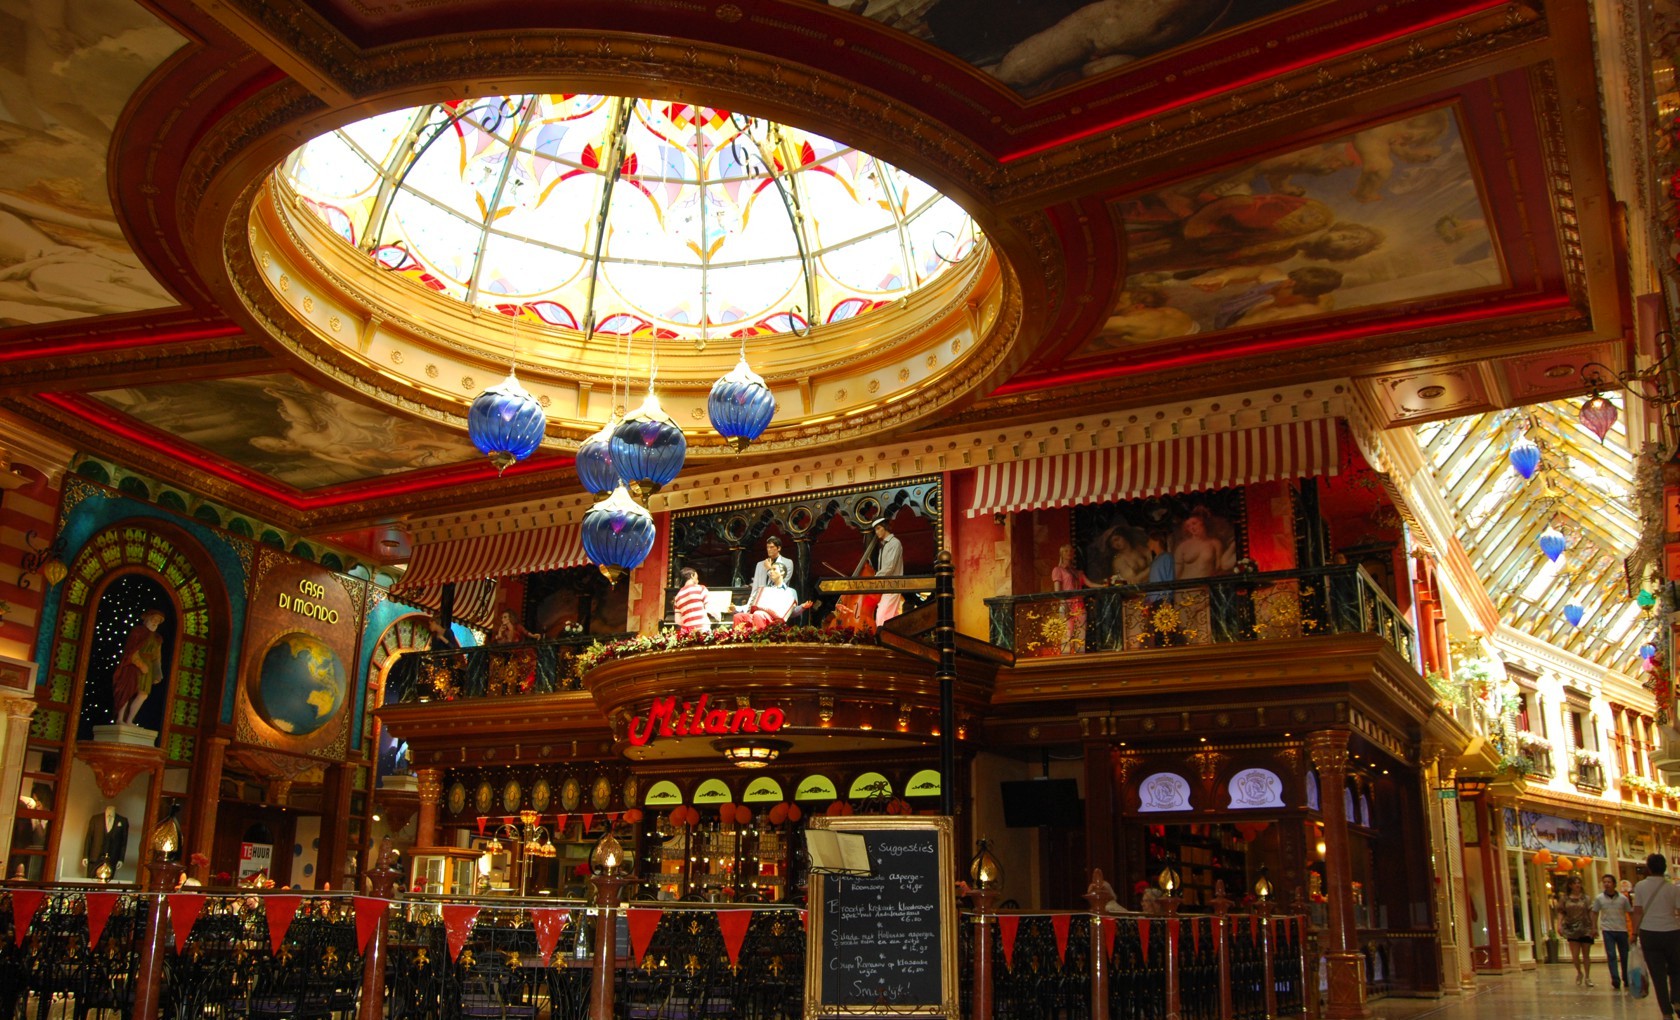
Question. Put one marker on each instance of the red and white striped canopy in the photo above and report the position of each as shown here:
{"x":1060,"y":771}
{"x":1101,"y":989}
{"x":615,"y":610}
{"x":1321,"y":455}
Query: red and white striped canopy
{"x":1296,"y":449}
{"x":507,"y":554}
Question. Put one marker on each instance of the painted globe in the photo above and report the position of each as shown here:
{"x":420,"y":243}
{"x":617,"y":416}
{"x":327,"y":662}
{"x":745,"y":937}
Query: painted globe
{"x":300,"y":686}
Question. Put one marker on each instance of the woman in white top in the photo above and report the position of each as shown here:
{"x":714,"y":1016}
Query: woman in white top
{"x":1655,"y":921}
{"x":1612,"y":910}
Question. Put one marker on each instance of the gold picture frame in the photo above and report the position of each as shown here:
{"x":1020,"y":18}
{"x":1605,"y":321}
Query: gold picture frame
{"x":925,"y":881}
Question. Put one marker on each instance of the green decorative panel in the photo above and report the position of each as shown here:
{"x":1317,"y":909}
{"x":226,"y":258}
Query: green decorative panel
{"x":180,"y":747}
{"x":71,"y":625}
{"x":48,"y":724}
{"x":65,"y":657}
{"x":78,"y":593}
{"x":60,"y":691}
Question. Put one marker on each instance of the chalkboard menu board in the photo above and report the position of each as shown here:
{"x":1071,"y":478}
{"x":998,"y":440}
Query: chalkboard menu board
{"x":885,"y":944}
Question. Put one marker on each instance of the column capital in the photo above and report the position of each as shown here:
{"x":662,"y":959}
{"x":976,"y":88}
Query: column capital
{"x":17,"y":706}
{"x":430,"y":782}
{"x":1329,"y":750}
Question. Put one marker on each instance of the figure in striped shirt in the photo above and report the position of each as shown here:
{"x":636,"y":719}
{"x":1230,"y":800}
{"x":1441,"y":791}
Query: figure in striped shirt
{"x":690,"y":603}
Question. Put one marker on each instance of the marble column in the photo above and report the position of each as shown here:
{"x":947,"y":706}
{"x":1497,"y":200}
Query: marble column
{"x":430,"y":782}
{"x":1449,"y":884}
{"x":17,"y":709}
{"x":1346,"y":964}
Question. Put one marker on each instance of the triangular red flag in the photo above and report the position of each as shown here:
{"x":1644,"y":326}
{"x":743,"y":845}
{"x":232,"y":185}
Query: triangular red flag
{"x":1110,"y":929}
{"x":1008,"y":926}
{"x":24,"y":904}
{"x":612,"y":817}
{"x":1059,"y":925}
{"x":643,"y":921}
{"x":369,"y":913}
{"x":1143,"y":937}
{"x":733,"y":924}
{"x":560,"y":825}
{"x":588,"y":820}
{"x":458,"y":920}
{"x":549,"y":924}
{"x":184,"y":909}
{"x":280,"y":911}
{"x":1196,"y":935}
{"x":99,"y":907}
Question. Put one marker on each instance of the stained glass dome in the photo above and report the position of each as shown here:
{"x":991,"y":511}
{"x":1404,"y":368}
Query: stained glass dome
{"x":650,"y":217}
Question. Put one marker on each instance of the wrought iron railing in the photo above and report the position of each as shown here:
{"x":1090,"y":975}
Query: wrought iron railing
{"x":530,"y":667}
{"x":1341,"y":599}
{"x":251,"y":955}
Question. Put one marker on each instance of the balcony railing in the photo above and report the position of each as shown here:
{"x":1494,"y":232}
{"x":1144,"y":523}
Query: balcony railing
{"x":531,"y":667}
{"x":1588,"y":776}
{"x":1339,"y":599}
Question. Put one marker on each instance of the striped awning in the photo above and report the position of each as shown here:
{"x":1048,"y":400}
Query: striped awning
{"x":475,"y":601}
{"x":1296,"y":449}
{"x":508,"y":554}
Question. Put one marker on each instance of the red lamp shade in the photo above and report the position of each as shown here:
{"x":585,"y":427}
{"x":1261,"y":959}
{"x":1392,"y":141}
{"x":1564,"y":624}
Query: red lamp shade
{"x":1598,"y":414}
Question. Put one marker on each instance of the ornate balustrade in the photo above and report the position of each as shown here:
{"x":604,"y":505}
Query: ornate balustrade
{"x":530,"y":667}
{"x":1215,"y":610}
{"x":279,"y":954}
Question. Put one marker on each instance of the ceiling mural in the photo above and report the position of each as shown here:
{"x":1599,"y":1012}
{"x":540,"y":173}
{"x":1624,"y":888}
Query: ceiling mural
{"x":281,"y":426}
{"x":66,"y":72}
{"x":1387,"y":215}
{"x":1035,"y":46}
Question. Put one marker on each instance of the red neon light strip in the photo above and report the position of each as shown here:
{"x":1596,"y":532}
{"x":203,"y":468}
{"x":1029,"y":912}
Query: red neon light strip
{"x":28,"y":350}
{"x":1262,"y":347}
{"x":1258,"y":76}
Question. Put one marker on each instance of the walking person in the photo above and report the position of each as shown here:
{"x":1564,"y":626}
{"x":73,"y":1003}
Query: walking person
{"x":1575,"y":923}
{"x":1612,"y":910}
{"x":1655,"y":924}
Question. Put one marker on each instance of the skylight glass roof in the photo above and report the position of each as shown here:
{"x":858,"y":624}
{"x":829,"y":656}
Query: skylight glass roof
{"x":1584,"y":488}
{"x":713,"y":218}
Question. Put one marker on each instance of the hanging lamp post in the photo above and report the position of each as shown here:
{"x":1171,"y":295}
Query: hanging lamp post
{"x":617,"y":534}
{"x":506,"y":423}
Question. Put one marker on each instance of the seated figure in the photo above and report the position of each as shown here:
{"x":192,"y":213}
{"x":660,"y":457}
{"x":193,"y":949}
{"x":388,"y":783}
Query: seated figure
{"x":774,"y":603}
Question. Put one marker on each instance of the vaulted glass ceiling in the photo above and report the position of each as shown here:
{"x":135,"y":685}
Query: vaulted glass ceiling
{"x":1584,"y":488}
{"x":631,"y":215}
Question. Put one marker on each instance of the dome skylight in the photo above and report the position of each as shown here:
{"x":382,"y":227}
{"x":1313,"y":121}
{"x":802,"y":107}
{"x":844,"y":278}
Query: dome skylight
{"x":716,"y":225}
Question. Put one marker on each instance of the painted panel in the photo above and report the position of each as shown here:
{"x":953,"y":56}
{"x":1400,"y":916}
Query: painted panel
{"x":763,"y":790}
{"x":663,"y":794}
{"x":1164,"y":791}
{"x":1256,"y":788}
{"x":816,"y":788}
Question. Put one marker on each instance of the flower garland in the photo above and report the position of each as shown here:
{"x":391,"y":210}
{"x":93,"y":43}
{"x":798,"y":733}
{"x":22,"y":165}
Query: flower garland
{"x":1651,"y":786}
{"x":1534,"y":741}
{"x":671,"y":641}
{"x":1586,"y":756}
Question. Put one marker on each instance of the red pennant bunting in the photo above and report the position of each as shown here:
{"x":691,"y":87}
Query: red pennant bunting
{"x":643,"y":921}
{"x":549,"y":923}
{"x":1059,"y":925}
{"x":458,"y":920}
{"x":369,"y":913}
{"x":612,"y":817}
{"x":24,"y":904}
{"x":1009,"y":925}
{"x":483,"y":820}
{"x":1110,"y":929}
{"x":1196,"y":935}
{"x":588,"y":820}
{"x":733,"y":924}
{"x":560,"y":825}
{"x":183,"y":911}
{"x":280,"y":911}
{"x":1143,"y":937}
{"x":99,"y":907}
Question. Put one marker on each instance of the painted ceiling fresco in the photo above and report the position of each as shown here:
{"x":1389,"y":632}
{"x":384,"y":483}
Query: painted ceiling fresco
{"x":66,"y":72}
{"x":1035,"y":46}
{"x":281,"y":426}
{"x":1382,"y":216}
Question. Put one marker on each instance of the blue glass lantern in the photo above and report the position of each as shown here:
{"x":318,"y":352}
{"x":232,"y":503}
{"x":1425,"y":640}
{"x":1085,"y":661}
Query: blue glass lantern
{"x":648,"y":448}
{"x":617,"y":534}
{"x":1552,"y":543}
{"x":740,"y":406}
{"x":506,"y":423}
{"x":595,"y":464}
{"x":1525,"y":457}
{"x":1574,"y":614}
{"x":1647,"y":651}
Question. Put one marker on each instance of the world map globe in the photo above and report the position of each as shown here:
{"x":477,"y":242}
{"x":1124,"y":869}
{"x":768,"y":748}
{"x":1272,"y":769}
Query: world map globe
{"x":300,"y":685}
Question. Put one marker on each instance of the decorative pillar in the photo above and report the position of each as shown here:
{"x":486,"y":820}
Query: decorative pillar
{"x":1268,"y":954}
{"x":945,"y":638}
{"x":1102,"y":811}
{"x":1328,"y":749}
{"x":161,"y":874}
{"x":1175,"y":998}
{"x":335,"y":827}
{"x":430,"y":783}
{"x":1098,"y":899}
{"x":1449,"y":884}
{"x":207,"y":783}
{"x":1220,"y":929}
{"x":606,"y":946}
{"x":1497,"y":882}
{"x":17,"y":709}
{"x":985,"y":902}
{"x":380,"y":877}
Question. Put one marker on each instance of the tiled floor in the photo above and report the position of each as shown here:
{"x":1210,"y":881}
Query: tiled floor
{"x":1548,"y":992}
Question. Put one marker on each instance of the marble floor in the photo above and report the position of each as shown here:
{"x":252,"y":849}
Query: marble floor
{"x":1547,"y":992}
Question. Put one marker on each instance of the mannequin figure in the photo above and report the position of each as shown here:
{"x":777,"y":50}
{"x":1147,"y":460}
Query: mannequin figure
{"x":140,"y":667}
{"x":107,"y":844}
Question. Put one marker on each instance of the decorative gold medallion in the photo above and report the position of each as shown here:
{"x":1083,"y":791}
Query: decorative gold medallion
{"x":541,"y":794}
{"x":457,"y":797}
{"x":631,"y":789}
{"x":512,"y":796}
{"x":600,"y":793}
{"x":485,"y":798}
{"x":571,"y":794}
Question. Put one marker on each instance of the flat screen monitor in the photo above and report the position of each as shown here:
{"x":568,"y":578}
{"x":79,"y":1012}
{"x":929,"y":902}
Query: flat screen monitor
{"x":1029,"y":803}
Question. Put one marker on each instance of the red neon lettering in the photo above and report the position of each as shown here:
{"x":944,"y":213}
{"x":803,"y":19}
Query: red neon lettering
{"x":770,"y":720}
{"x":696,"y":719}
{"x":659,"y":713}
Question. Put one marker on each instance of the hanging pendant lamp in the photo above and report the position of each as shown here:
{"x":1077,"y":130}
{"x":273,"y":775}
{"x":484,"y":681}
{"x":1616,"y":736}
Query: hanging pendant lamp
{"x":1525,"y":457}
{"x":1552,"y":543}
{"x":740,"y":406}
{"x":1598,"y":415}
{"x":648,"y":449}
{"x":617,"y":534}
{"x":506,"y":423}
{"x":595,"y":464}
{"x":1647,"y":651}
{"x":1574,"y":614}
{"x":1646,"y":598}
